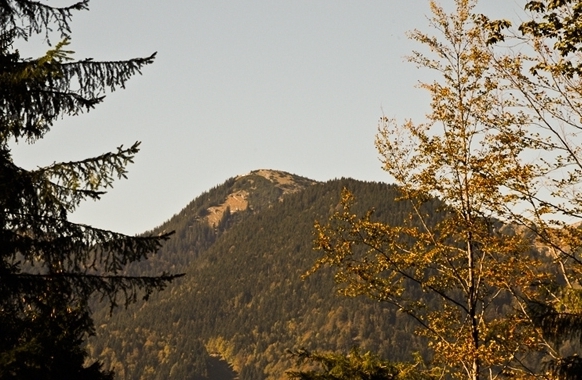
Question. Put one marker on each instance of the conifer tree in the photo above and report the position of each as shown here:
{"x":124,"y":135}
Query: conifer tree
{"x":50,"y":267}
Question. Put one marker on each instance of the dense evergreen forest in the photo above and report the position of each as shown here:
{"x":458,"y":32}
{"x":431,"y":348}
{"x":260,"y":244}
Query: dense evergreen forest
{"x":243,"y":296}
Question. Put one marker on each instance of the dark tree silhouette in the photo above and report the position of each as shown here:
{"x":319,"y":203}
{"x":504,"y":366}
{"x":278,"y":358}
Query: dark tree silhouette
{"x":50,"y":267}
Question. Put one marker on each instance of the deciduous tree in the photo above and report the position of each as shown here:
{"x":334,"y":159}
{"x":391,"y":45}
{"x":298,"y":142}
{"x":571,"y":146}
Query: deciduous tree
{"x":490,"y":293}
{"x":544,"y":76}
{"x":353,"y":366}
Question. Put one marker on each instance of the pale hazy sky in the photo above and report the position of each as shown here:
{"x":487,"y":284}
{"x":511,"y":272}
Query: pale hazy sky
{"x":295,"y":85}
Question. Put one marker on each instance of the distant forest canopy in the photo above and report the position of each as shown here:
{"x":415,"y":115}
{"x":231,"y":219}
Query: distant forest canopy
{"x":243,"y":296}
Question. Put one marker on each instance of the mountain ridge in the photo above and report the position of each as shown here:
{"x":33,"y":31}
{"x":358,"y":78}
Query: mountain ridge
{"x":243,"y":297}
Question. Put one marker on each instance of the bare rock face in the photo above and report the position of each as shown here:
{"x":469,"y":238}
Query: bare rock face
{"x":238,"y":200}
{"x":234,"y":202}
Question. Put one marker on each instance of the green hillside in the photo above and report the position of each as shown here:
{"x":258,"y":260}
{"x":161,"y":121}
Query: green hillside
{"x":243,"y":297}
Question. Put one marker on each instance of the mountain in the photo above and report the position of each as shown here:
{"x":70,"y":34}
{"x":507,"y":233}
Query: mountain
{"x":244,"y":246}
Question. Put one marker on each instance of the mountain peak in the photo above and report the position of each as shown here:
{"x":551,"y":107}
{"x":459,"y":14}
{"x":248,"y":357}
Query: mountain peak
{"x":243,"y":296}
{"x":253,"y":186}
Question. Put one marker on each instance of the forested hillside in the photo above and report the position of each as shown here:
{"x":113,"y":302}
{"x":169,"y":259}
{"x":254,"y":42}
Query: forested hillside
{"x":471,"y":262}
{"x":243,"y":296}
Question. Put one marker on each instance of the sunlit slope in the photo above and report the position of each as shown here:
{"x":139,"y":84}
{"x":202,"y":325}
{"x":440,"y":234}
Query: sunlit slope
{"x":243,"y":297}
